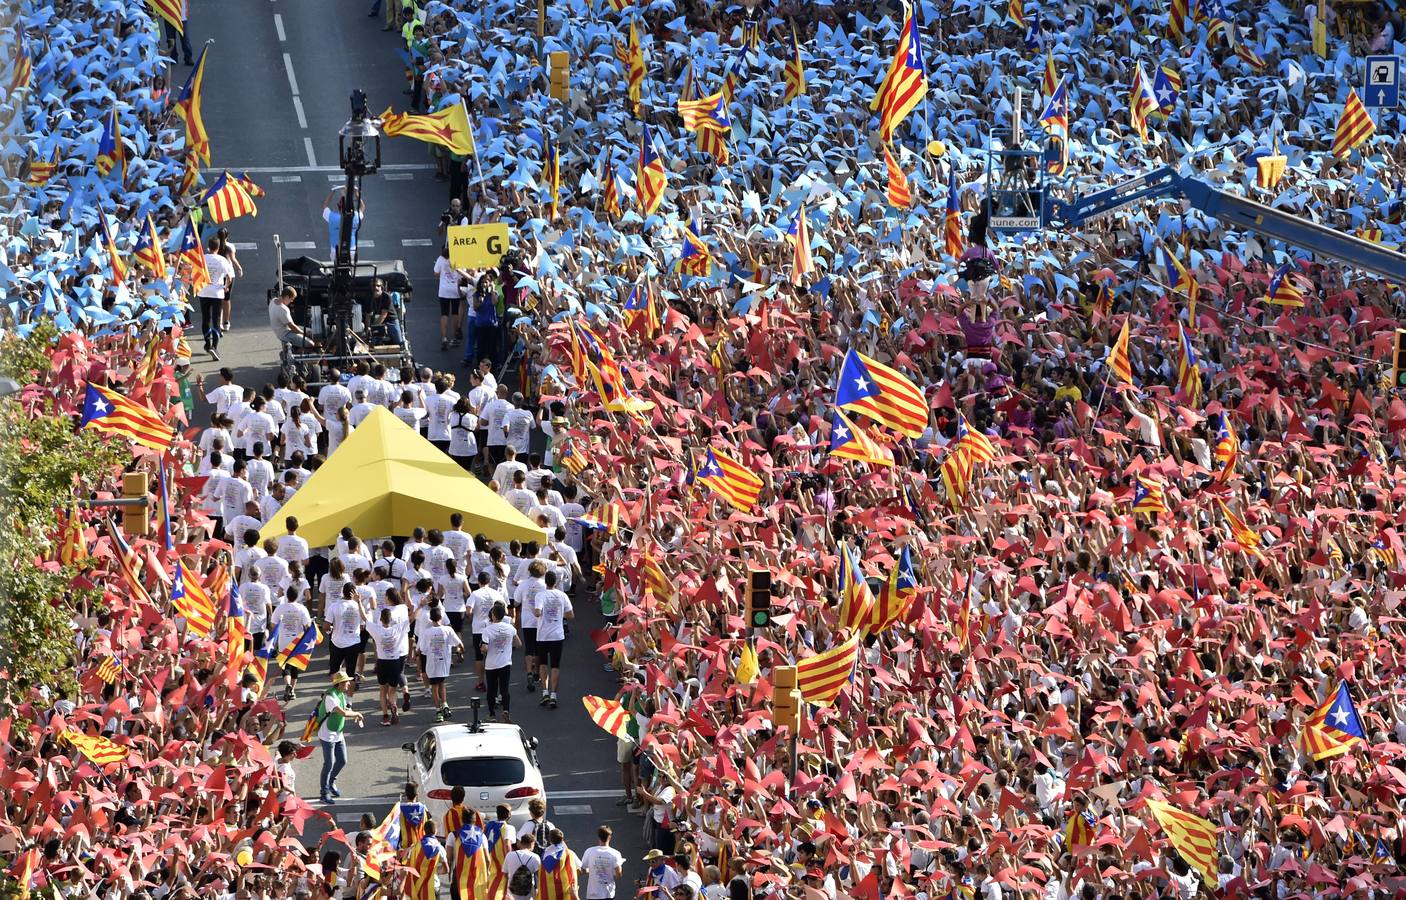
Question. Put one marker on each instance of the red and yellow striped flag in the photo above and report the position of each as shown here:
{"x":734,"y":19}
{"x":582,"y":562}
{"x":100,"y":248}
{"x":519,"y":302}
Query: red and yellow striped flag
{"x":608,"y":714}
{"x":1192,"y":836}
{"x":1248,"y":540}
{"x":956,"y":475}
{"x":109,"y":669}
{"x":191,"y":602}
{"x":1118,"y":359}
{"x":856,"y":600}
{"x":1354,"y":127}
{"x":795,"y":72}
{"x":820,"y":678}
{"x":99,"y":750}
{"x":900,"y":195}
{"x":734,"y":482}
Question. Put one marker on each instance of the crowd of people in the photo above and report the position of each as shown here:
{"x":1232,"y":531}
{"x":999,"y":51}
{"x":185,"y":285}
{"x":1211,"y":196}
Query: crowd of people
{"x":1148,"y":592}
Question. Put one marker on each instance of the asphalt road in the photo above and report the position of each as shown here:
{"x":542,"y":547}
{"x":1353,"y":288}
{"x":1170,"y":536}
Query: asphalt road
{"x":277,"y":87}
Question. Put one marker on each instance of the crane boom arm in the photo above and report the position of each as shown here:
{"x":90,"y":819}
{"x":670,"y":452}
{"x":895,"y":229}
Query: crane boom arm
{"x":1234,"y":211}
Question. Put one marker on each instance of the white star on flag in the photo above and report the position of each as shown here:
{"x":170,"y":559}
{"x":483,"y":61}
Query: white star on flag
{"x":99,"y":406}
{"x":861,"y":384}
{"x":1340,"y":717}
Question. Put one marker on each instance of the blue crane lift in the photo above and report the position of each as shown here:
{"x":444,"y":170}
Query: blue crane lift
{"x":1018,"y":200}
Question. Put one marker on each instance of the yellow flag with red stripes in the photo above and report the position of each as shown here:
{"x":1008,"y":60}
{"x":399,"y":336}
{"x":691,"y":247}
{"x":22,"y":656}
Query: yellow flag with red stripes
{"x":99,"y":750}
{"x":1193,"y":836}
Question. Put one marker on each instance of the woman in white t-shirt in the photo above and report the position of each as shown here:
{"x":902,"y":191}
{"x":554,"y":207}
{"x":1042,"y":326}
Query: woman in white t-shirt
{"x":438,"y":644}
{"x":346,"y":619}
{"x":390,"y":635}
{"x":463,"y":444}
{"x":439,"y":405}
{"x":299,"y":435}
{"x":499,"y":639}
{"x":338,"y":427}
{"x":453,"y":590}
{"x":329,"y":586}
{"x":451,"y":299}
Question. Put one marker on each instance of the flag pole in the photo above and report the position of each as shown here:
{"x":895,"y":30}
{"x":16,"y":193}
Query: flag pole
{"x":478,"y":164}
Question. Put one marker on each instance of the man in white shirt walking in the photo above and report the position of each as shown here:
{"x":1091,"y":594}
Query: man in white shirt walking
{"x":552,"y":609}
{"x":602,"y":865}
{"x":212,"y":297}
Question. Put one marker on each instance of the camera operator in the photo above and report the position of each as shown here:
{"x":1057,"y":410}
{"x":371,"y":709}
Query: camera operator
{"x":454,"y":215}
{"x":388,"y":311}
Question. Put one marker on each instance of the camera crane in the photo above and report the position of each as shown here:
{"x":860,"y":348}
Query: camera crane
{"x":359,"y":153}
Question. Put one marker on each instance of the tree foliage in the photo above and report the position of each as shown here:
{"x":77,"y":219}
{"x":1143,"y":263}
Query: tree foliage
{"x":44,"y":465}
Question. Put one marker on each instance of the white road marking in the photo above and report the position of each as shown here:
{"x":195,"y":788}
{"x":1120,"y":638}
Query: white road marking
{"x":313,"y":169}
{"x":583,"y":809}
{"x":338,"y":175}
{"x":285,"y":179}
{"x":416,"y":242}
{"x":298,"y":108}
{"x":278,"y":26}
{"x":581,"y":795}
{"x":363,"y":243}
{"x":243,"y":246}
{"x":292,"y":79}
{"x":399,"y":176}
{"x":300,"y":245}
{"x":312,"y":158}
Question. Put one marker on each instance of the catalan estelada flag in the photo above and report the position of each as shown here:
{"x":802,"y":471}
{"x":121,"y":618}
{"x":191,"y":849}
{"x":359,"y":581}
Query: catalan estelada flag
{"x":634,"y":72}
{"x":1149,"y":496}
{"x":641,"y":314}
{"x":24,"y":69}
{"x":705,"y":112}
{"x":1192,"y":836}
{"x":856,"y":600}
{"x":470,"y":861}
{"x":190,"y":259}
{"x":820,"y":678}
{"x":106,"y":410}
{"x":1118,"y":360}
{"x":236,"y":629}
{"x":956,"y":476}
{"x":610,"y":196}
{"x":119,"y":268}
{"x":190,"y":601}
{"x":1176,"y":23}
{"x":109,"y":669}
{"x":952,"y":219}
{"x":129,"y":565}
{"x":906,"y":82}
{"x":849,"y":441}
{"x":1055,"y":120}
{"x":881,"y":393}
{"x":1227,"y":448}
{"x":173,"y":11}
{"x":228,"y":199}
{"x":1354,"y":126}
{"x":1188,"y":368}
{"x":650,"y":177}
{"x":897,"y":594}
{"x":1079,"y":831}
{"x":1141,"y":102}
{"x":557,"y":879}
{"x":1241,"y":533}
{"x":976,"y":444}
{"x":149,"y":251}
{"x":97,"y":749}
{"x":1166,"y":89}
{"x":423,"y":862}
{"x":1179,"y":279}
{"x":299,"y":653}
{"x":112,"y":153}
{"x":608,"y":715}
{"x":731,"y":480}
{"x":188,"y":107}
{"x":1049,"y":79}
{"x":795,"y":72}
{"x":1282,"y":290}
{"x":449,"y":128}
{"x":265,"y":653}
{"x":572,"y":458}
{"x":694,"y":256}
{"x":899,"y":194}
{"x":1333,"y":728}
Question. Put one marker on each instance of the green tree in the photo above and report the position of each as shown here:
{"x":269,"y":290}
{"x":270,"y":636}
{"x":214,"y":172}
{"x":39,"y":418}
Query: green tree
{"x":44,"y":465}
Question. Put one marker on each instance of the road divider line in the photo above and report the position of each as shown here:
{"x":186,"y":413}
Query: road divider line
{"x":300,"y":245}
{"x":312,"y":158}
{"x":292,"y":79}
{"x":399,"y":176}
{"x":247,"y":245}
{"x":298,"y":109}
{"x":278,"y":26}
{"x":361,"y":243}
{"x":416,"y":242}
{"x":285,"y":179}
{"x":313,"y":169}
{"x":578,"y":795}
{"x":580,"y":809}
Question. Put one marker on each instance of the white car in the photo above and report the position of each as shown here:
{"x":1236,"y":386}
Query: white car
{"x":495,"y":764}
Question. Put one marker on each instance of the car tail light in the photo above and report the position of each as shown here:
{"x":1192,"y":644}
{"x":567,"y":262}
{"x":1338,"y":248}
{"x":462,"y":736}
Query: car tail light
{"x":439,"y":794}
{"x":520,"y":793}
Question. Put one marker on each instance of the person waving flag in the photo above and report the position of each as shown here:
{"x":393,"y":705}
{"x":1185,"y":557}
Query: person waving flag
{"x":1334,"y":727}
{"x":731,"y":480}
{"x":106,"y":410}
{"x":849,"y":441}
{"x":906,"y":83}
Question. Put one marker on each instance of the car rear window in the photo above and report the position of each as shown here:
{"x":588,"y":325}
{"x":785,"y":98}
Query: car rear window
{"x":482,"y":771}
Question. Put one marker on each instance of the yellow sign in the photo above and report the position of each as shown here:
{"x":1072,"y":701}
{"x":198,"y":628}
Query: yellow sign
{"x":477,"y":246}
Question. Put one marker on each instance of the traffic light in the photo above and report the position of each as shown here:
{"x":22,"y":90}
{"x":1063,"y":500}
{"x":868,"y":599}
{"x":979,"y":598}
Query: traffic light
{"x":559,"y":84}
{"x":759,"y":597}
{"x":136,"y":518}
{"x":785,"y":699}
{"x":1398,"y":359}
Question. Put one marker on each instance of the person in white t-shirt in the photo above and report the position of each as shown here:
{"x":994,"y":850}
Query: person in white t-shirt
{"x":438,"y":406}
{"x":503,"y":472}
{"x":499,"y":639}
{"x":260,"y":469}
{"x":523,"y":596}
{"x":390,"y":635}
{"x":334,"y":395}
{"x":227,"y":394}
{"x":524,"y":856}
{"x":552,"y":609}
{"x":438,"y":554}
{"x":273,"y":571}
{"x":453,"y":589}
{"x":254,"y":596}
{"x":517,"y":426}
{"x":438,"y":644}
{"x":238,"y":528}
{"x":291,"y":547}
{"x":346,"y":618}
{"x":480,"y":604}
{"x":292,"y":619}
{"x":459,"y":541}
{"x":491,"y":417}
{"x":602,"y":866}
